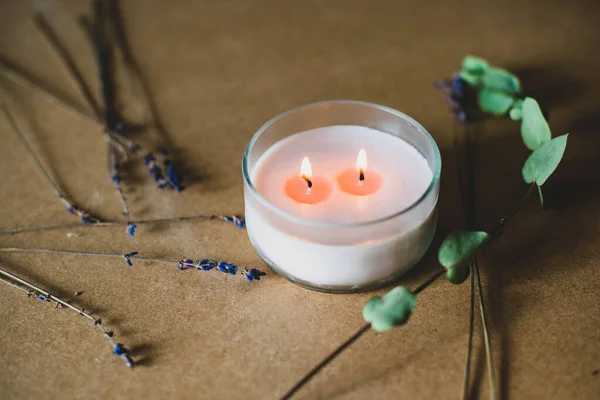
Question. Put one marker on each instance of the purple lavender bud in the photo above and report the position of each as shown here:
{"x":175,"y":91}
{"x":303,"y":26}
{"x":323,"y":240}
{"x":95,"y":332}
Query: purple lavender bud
{"x":229,"y":218}
{"x":232,"y":269}
{"x":188,"y":263}
{"x":41,"y":298}
{"x":128,"y":261}
{"x":133,"y":253}
{"x":71,"y":210}
{"x":222,"y":266}
{"x":120,"y":350}
{"x":129,"y":361}
{"x":254,"y":274}
{"x":459,"y":86}
{"x":206,"y":265}
{"x":131,"y":229}
{"x":149,"y":158}
{"x":161,"y":185}
{"x":86,"y":219}
{"x":134,"y":148}
{"x":116,"y":180}
{"x":240,"y":223}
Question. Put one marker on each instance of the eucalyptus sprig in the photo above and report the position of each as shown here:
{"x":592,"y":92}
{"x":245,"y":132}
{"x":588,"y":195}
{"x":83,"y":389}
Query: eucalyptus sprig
{"x":498,"y":93}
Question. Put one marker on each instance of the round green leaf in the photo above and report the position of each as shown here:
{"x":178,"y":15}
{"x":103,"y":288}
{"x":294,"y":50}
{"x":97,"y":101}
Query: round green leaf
{"x":474,"y":65}
{"x":534,"y":128}
{"x":390,"y":310}
{"x":516,"y":114}
{"x":543,"y":161}
{"x":501,"y":80}
{"x":471,"y":79}
{"x":494,"y":102}
{"x":458,"y":274}
{"x":459,"y":247}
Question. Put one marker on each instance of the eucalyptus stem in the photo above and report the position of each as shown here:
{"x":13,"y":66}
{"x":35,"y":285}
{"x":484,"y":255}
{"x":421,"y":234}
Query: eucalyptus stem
{"x":467,"y":376}
{"x":464,"y":200}
{"x":238,"y":221}
{"x":486,"y":334}
{"x":364,"y":328}
{"x":474,"y":265}
{"x":42,"y":295}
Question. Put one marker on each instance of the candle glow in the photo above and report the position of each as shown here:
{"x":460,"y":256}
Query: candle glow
{"x":361,"y":164}
{"x":363,"y":186}
{"x":306,"y":172}
{"x":306,"y":188}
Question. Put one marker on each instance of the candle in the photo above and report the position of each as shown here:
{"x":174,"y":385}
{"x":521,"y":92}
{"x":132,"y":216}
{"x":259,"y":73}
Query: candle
{"x":305,"y":188}
{"x":341,"y":196}
{"x":354,"y":182}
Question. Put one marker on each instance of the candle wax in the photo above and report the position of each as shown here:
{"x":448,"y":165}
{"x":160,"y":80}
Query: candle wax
{"x":404,"y":173}
{"x":296,"y":188}
{"x":349,"y":182}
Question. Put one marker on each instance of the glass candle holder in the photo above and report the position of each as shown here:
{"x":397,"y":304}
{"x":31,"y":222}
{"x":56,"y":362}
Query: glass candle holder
{"x":340,"y":256}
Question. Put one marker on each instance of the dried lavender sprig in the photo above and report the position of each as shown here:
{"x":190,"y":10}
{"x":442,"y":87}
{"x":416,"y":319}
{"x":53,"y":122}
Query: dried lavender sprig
{"x":140,"y":88}
{"x":457,"y":96}
{"x":121,"y":143}
{"x":52,"y":39}
{"x":71,"y":207}
{"x":240,"y":222}
{"x":42,"y":295}
{"x":206,"y":264}
{"x":95,"y":33}
{"x":113,"y":168}
{"x":23,"y":80}
{"x":124,"y":144}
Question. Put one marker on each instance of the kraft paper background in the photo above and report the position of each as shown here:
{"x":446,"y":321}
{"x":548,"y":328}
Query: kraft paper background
{"x":219,"y":70}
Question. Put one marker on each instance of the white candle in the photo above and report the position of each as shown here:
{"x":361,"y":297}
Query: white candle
{"x":347,"y":240}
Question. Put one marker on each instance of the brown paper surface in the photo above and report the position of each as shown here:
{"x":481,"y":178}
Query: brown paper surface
{"x":219,"y":70}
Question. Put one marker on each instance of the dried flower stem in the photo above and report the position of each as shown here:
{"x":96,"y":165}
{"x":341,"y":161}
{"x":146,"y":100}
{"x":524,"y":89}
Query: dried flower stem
{"x":42,"y":295}
{"x":465,"y":208}
{"x":182,"y":264}
{"x":76,"y":76}
{"x":238,"y":221}
{"x":140,"y":88}
{"x":23,"y":80}
{"x":84,"y":216}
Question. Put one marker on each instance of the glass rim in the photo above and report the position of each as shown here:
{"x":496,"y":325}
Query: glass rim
{"x":434,"y":179}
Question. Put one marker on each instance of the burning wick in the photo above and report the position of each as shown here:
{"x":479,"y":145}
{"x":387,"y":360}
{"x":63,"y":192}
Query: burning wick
{"x":361,"y":164}
{"x":306,"y":172}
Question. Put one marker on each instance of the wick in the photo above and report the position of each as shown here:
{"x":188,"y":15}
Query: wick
{"x":308,"y":181}
{"x":361,"y":177}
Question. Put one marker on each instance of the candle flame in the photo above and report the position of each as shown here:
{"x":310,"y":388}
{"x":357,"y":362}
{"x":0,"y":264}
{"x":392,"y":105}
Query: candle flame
{"x":305,"y":169}
{"x":361,"y":161}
